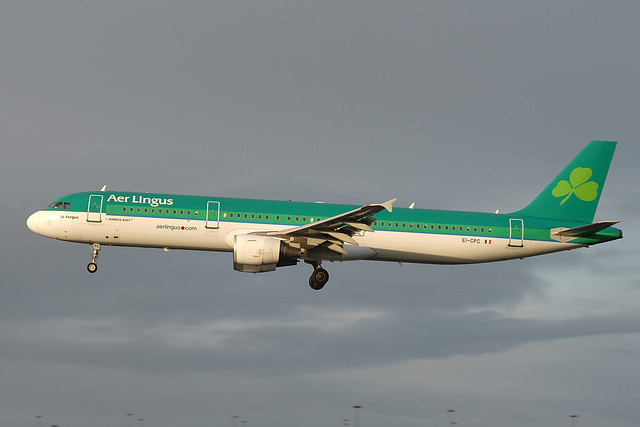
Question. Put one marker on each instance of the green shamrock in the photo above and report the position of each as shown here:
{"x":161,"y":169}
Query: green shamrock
{"x":586,"y":191}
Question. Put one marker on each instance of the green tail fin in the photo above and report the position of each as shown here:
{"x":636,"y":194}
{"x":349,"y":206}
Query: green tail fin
{"x":574,"y":194}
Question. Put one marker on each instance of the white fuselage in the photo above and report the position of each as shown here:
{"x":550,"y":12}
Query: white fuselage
{"x":397,"y":246}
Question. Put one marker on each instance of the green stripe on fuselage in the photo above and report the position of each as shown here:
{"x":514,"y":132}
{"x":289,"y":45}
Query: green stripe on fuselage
{"x":289,"y":213}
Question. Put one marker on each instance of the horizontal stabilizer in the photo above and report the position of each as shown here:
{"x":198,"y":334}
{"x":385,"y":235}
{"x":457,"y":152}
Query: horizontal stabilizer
{"x":565,"y":234}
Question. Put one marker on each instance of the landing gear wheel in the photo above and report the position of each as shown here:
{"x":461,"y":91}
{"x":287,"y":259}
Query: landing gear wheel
{"x":318,"y":279}
{"x":92,"y":267}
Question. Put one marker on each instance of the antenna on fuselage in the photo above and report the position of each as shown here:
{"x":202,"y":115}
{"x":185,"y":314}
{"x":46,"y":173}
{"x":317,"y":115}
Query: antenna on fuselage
{"x":104,"y":188}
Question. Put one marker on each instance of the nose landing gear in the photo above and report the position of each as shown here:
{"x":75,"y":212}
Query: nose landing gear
{"x":92,"y":267}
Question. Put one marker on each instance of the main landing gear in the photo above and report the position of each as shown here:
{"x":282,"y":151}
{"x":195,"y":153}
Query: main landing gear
{"x":92,"y":267}
{"x":319,"y":277}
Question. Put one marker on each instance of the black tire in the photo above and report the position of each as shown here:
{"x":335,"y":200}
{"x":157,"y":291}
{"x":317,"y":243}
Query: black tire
{"x":92,"y":267}
{"x":314,"y":286}
{"x":318,"y":279}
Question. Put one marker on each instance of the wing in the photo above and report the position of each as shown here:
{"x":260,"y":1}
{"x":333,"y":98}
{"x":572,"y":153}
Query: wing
{"x":332,"y":232}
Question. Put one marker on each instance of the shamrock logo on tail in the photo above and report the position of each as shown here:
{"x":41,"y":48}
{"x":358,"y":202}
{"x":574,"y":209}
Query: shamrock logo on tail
{"x":578,"y":185}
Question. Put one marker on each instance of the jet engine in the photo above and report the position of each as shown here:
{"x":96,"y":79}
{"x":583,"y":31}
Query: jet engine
{"x":257,"y":254}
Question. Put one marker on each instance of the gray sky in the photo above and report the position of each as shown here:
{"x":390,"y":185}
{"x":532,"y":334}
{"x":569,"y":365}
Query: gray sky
{"x":453,"y":105}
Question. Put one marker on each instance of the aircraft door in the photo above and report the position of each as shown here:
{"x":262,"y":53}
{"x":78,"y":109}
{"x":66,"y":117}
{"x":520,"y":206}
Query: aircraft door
{"x":213,"y":215}
{"x":516,"y":232}
{"x":94,"y":210}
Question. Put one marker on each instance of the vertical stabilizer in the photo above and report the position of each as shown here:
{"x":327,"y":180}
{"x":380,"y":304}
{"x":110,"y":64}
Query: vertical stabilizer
{"x":574,"y":194}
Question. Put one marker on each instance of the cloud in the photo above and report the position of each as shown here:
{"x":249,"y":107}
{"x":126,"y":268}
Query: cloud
{"x":466,"y":106}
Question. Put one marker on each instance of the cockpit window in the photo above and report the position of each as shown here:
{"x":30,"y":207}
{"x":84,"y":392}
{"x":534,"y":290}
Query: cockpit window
{"x":59,"y":205}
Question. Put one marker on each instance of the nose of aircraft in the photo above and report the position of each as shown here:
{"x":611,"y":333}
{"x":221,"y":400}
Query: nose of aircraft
{"x":44,"y":223}
{"x":33,"y":222}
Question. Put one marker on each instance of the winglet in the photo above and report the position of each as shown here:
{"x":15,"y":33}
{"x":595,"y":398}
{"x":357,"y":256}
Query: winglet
{"x":388,"y":205}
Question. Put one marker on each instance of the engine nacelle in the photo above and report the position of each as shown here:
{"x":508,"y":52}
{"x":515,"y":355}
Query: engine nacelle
{"x":257,"y":254}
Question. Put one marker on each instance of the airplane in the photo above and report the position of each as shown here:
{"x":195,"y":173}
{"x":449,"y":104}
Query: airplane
{"x":266,"y":234}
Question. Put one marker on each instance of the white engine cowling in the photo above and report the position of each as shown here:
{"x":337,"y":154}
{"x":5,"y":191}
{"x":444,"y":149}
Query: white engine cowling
{"x":257,"y":254}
